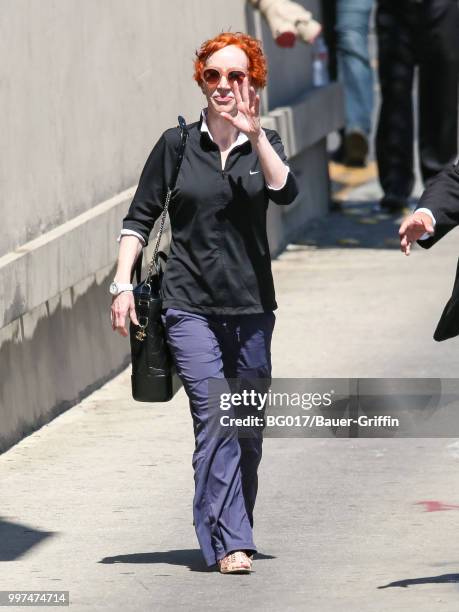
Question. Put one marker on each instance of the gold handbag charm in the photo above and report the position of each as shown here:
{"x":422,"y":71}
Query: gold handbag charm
{"x":141,"y":334}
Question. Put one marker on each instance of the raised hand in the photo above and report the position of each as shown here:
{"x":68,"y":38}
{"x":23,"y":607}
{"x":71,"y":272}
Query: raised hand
{"x":247,"y":119}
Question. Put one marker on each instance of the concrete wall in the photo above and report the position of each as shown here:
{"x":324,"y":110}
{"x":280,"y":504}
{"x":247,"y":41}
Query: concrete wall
{"x":87,"y":88}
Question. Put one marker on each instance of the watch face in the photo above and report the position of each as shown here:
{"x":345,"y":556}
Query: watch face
{"x":113,"y":288}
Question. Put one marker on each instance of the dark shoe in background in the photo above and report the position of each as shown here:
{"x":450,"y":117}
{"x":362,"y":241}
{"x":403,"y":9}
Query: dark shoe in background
{"x":355,"y":149}
{"x":394,"y":203}
{"x":338,"y":154}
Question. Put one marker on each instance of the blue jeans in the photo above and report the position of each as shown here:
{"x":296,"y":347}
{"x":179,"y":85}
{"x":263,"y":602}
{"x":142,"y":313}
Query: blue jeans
{"x":225,"y":468}
{"x":354,"y":69}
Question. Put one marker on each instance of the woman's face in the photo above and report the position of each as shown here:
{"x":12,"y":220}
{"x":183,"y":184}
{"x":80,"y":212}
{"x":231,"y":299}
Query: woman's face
{"x":220,"y":96}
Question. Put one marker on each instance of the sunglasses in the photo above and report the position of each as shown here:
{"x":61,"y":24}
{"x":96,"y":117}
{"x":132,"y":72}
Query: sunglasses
{"x":212,"y":76}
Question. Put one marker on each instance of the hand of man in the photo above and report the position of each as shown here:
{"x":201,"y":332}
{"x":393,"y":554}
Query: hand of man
{"x":412,"y":228}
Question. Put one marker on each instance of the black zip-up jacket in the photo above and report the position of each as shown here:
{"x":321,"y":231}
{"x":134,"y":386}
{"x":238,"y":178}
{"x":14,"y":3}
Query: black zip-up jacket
{"x":219,"y":260}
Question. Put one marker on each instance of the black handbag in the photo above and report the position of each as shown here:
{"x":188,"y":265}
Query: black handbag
{"x":154,"y":378}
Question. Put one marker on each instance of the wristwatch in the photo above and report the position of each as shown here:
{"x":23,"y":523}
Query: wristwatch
{"x":117,"y":288}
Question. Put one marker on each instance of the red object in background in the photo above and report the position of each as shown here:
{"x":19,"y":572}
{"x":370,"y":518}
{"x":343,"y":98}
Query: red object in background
{"x":437,"y":506}
{"x":286,"y":39}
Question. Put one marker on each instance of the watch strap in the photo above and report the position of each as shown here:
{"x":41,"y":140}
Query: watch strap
{"x":122,"y":287}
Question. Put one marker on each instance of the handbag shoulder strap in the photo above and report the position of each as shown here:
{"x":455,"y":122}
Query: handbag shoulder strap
{"x":153,"y":266}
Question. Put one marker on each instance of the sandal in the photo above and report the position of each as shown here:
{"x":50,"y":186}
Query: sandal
{"x":236,"y":562}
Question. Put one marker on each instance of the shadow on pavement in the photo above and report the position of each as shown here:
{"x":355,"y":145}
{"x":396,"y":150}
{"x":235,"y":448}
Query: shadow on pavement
{"x":354,"y":224}
{"x":191,"y":558}
{"x":427,"y":580}
{"x":16,"y":539}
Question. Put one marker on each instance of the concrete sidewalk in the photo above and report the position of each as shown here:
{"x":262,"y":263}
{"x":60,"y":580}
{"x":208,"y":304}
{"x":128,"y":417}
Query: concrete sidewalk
{"x":98,"y":502}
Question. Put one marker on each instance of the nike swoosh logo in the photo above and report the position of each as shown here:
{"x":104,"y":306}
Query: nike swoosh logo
{"x":252,"y":172}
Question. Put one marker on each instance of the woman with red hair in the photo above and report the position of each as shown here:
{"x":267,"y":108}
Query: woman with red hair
{"x":218,"y":293}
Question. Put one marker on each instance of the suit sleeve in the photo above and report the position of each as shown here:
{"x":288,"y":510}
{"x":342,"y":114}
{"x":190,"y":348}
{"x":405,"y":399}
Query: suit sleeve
{"x":442,"y":198}
{"x":150,"y":194}
{"x":290,"y":190}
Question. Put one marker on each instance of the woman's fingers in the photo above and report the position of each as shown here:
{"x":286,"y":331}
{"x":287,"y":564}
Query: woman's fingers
{"x":119,"y":324}
{"x":237,"y":93}
{"x":133,"y":314}
{"x":245,"y":91}
{"x":253,"y":100}
{"x":257,"y":105}
{"x":121,"y":306}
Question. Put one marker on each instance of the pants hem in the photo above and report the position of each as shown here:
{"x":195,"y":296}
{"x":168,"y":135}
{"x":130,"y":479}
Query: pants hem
{"x":239,"y":546}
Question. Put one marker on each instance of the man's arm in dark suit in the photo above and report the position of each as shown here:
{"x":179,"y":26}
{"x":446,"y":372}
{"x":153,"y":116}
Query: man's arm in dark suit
{"x":441,"y":197}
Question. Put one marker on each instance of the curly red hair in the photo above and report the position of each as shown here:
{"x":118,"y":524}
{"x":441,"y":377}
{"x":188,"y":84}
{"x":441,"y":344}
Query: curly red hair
{"x":251,"y":46}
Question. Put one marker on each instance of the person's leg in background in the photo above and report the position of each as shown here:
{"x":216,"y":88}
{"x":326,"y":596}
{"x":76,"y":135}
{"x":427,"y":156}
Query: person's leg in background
{"x":221,"y":521}
{"x":438,"y":43}
{"x":328,"y":21}
{"x":356,"y":75}
{"x":395,"y":25}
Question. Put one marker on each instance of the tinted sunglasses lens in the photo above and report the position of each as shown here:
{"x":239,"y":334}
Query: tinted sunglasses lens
{"x":210,"y":76}
{"x":236,"y":75}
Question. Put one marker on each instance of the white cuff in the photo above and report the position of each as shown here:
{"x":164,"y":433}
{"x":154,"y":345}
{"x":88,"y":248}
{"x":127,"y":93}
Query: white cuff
{"x":282,"y":186}
{"x":427,"y":212}
{"x":128,"y":232}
